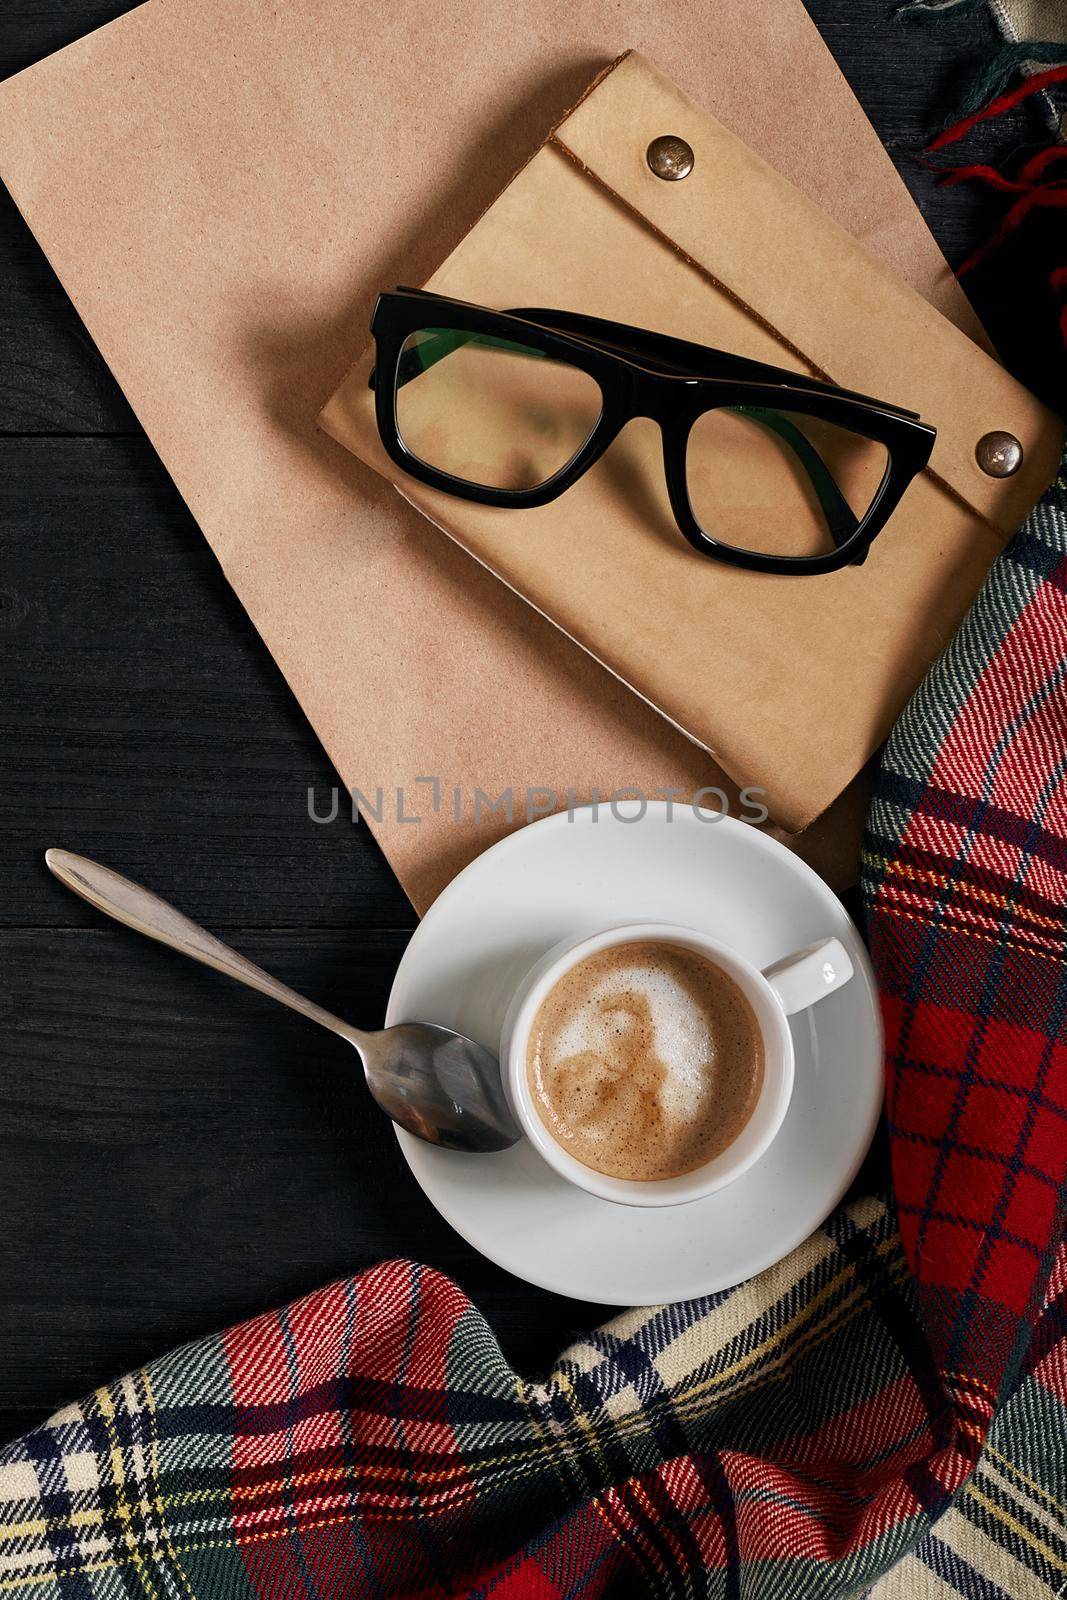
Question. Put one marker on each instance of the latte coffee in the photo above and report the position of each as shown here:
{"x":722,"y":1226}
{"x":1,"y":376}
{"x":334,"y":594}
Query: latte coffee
{"x":645,"y":1060}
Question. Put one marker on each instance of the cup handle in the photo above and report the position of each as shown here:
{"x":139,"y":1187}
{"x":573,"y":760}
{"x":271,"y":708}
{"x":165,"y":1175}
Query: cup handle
{"x":809,"y":975}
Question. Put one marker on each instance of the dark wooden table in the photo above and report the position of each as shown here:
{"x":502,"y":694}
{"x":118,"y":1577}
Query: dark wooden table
{"x":176,"y":1153}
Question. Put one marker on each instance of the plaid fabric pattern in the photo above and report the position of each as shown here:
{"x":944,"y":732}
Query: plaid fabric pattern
{"x":883,"y":1413}
{"x":967,"y":881}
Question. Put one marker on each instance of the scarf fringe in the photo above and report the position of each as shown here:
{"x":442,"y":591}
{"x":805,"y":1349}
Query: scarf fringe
{"x":1040,"y":183}
{"x":1010,"y":60}
{"x":934,"y":10}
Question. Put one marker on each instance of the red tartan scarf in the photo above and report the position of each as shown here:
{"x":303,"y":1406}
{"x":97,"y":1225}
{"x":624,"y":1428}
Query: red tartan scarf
{"x":880,"y":1400}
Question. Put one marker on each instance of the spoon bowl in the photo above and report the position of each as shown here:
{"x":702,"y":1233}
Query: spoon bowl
{"x":439,"y":1085}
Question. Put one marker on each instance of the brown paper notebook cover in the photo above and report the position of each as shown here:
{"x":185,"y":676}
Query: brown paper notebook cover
{"x":223,"y":188}
{"x":790,"y":683}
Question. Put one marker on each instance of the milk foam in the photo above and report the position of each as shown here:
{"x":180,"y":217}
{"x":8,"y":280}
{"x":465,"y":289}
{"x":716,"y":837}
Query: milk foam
{"x":681,"y":1036}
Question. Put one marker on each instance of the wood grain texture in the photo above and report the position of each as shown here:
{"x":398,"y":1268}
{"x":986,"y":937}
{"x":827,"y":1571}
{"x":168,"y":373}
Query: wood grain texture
{"x":174,"y":1152}
{"x":151,"y":727}
{"x":52,"y":377}
{"x":179,"y":1153}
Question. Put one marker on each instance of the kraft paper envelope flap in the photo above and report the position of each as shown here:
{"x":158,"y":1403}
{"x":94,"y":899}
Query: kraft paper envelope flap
{"x":223,"y":188}
{"x":791,"y":683}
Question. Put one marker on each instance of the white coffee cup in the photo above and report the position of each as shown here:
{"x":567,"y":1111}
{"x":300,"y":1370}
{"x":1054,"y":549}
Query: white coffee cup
{"x":789,"y":985}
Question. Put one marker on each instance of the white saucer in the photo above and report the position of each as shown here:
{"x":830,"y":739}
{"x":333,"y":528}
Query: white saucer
{"x":561,"y":878}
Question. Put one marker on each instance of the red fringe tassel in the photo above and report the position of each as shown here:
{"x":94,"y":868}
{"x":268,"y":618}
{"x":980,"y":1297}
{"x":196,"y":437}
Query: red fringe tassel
{"x":1037,"y":84}
{"x":1038,"y":184}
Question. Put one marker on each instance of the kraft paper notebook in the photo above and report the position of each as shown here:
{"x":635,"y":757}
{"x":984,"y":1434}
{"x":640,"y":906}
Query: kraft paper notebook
{"x":223,"y":189}
{"x":790,"y":683}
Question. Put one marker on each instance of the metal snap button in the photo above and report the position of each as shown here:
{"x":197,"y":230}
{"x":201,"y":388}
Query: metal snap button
{"x":998,"y":454}
{"x":670,"y":157}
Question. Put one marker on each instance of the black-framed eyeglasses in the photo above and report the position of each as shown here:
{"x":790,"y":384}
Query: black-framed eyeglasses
{"x":765,"y":468}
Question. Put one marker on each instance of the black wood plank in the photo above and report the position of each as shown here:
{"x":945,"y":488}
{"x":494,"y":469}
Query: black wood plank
{"x":146,"y":724}
{"x":52,"y":377}
{"x":179,"y":1153}
{"x":31,"y":29}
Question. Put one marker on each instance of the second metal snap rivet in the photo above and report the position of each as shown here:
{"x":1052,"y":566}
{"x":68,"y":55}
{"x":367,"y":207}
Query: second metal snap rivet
{"x":670,"y":157}
{"x":999,"y":454}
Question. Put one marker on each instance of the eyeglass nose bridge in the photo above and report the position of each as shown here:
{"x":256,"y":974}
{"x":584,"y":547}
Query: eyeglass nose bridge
{"x":653,"y":397}
{"x":656,"y":395}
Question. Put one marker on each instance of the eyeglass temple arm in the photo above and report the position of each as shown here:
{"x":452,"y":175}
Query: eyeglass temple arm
{"x":840,"y":518}
{"x":662,"y":350}
{"x":684,"y":356}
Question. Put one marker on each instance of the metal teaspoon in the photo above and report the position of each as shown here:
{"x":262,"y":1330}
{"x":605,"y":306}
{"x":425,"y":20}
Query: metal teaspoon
{"x":437,"y":1084}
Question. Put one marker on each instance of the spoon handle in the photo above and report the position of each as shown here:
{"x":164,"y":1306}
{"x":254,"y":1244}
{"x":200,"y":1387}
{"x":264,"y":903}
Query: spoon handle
{"x":146,"y":913}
